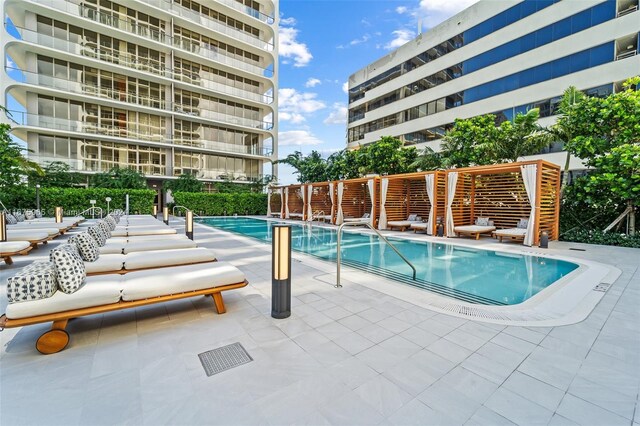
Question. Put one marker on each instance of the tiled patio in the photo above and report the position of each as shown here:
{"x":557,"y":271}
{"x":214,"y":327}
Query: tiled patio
{"x":350,"y":356}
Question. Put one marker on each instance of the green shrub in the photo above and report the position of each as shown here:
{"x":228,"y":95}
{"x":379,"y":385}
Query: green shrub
{"x":75,"y":200}
{"x":591,"y":236}
{"x":217,"y":204}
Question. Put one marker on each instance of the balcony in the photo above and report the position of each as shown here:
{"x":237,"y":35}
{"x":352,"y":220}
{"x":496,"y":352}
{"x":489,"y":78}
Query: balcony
{"x":221,"y":117}
{"x":224,"y":147}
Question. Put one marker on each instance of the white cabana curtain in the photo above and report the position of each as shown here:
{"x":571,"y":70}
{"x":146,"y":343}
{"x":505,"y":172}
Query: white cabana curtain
{"x":529,"y":177}
{"x":452,"y":182}
{"x":332,"y":198}
{"x":281,"y":191}
{"x":371,"y":185}
{"x":384,"y":187}
{"x":309,"y":194}
{"x":286,"y":204}
{"x":340,"y":214}
{"x":303,"y":191}
{"x":268,"y":202}
{"x":430,"y":191}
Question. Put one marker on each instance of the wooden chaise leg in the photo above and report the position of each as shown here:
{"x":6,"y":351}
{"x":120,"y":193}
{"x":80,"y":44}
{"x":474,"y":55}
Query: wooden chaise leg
{"x":54,"y":340}
{"x":217,"y":299}
{"x":8,"y":260}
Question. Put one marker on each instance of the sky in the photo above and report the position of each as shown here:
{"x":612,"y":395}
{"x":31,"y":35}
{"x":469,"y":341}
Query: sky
{"x":323,"y":42}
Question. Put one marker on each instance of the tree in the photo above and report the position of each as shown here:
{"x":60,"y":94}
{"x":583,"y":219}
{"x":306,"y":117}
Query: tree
{"x":312,"y":168}
{"x":56,"y":174}
{"x":185,"y":183}
{"x":464,"y":145}
{"x":516,"y":139}
{"x":117,"y":178}
{"x":14,"y":167}
{"x":428,"y":159}
{"x":343,"y":165}
{"x":386,"y":156}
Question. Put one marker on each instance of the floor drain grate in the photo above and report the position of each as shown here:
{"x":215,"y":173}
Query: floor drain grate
{"x":603,"y":287}
{"x":221,"y":359}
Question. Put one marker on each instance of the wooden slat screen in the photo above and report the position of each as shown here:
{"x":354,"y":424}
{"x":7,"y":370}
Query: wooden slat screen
{"x":320,"y":199}
{"x":295,"y":199}
{"x":461,"y":206}
{"x":419,"y":202}
{"x":502,"y":198}
{"x":549,"y":203}
{"x":276,"y":201}
{"x":396,"y":202}
{"x":441,"y":198}
{"x":355,"y":198}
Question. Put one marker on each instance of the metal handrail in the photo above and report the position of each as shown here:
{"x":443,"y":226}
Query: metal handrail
{"x":316,"y":215}
{"x":91,"y":209}
{"x":173,"y":210}
{"x":382,"y":237}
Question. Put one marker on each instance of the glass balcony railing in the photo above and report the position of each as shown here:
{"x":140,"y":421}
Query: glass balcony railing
{"x":135,"y":131}
{"x":222,"y":117}
{"x":171,"y":5}
{"x":152,"y":65}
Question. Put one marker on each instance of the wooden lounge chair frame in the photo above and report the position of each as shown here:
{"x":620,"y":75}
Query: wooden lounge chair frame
{"x":7,"y":256}
{"x":474,"y":234}
{"x":508,"y":237}
{"x":56,"y":339}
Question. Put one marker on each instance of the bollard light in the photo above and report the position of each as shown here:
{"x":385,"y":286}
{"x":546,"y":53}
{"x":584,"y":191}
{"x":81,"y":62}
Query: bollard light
{"x":3,"y":226}
{"x":281,"y":271}
{"x":544,"y":240}
{"x":165,"y":215}
{"x":155,"y":211}
{"x":58,"y":214}
{"x":38,"y":197}
{"x":108,"y":200}
{"x":188,"y":224}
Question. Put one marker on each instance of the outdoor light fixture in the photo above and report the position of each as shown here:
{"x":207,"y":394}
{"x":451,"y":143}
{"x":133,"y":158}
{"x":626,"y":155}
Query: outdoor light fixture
{"x":108,"y":200}
{"x":3,"y":226}
{"x":38,"y":197}
{"x":93,"y":208}
{"x":544,"y":240}
{"x":188,"y":224}
{"x":281,"y":271}
{"x":155,"y":211}
{"x":165,"y":215}
{"x":58,"y":214}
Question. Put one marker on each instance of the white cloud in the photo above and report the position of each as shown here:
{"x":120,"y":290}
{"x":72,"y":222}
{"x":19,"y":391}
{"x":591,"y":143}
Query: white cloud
{"x":345,"y":87}
{"x":297,"y":138}
{"x":10,"y":63}
{"x":288,"y":21}
{"x":291,"y":48}
{"x":338,"y":115}
{"x":362,"y":39}
{"x":401,"y":9}
{"x":401,"y":36}
{"x":294,"y":105}
{"x":312,"y":82}
{"x":433,"y":12}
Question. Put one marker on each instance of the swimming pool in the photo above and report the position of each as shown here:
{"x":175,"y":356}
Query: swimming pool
{"x":476,"y":276}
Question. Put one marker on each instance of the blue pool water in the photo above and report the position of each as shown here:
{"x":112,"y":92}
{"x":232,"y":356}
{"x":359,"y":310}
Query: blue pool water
{"x":477,"y":276}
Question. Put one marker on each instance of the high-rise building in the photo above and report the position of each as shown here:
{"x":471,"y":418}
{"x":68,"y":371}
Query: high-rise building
{"x":501,"y":57}
{"x":167,"y":87}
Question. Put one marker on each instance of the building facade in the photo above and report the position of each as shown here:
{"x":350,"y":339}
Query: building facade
{"x":495,"y":57}
{"x":166,"y":87}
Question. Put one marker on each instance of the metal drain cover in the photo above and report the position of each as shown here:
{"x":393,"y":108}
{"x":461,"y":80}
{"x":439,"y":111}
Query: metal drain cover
{"x":221,"y":359}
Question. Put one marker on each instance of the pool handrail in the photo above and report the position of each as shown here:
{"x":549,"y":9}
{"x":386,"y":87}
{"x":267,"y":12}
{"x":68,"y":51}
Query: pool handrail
{"x":173,"y":210}
{"x":382,"y":237}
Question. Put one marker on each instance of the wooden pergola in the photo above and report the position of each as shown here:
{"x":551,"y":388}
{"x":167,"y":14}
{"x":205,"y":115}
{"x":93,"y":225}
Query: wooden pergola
{"x":359,"y":196}
{"x":406,"y":194}
{"x":502,"y":193}
{"x":320,"y":203}
{"x":293,"y":202}
{"x":274,"y":202}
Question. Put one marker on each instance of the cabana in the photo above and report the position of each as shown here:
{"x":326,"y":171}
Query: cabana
{"x":320,"y":201}
{"x":505,"y":194}
{"x":294,"y":201}
{"x":355,"y":197}
{"x":274,"y":201}
{"x":409,"y":195}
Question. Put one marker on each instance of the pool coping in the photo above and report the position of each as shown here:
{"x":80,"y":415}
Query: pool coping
{"x":569,"y":300}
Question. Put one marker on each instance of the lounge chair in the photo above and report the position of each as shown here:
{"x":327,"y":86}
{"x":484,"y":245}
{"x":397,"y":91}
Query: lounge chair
{"x":365,"y":218}
{"x":9,"y":249}
{"x":61,"y":227}
{"x":155,"y":259}
{"x":513,"y":234}
{"x":58,"y":302}
{"x":412,"y":219}
{"x":419,"y":226}
{"x":35,"y":237}
{"x":295,"y":215}
{"x":482,"y":226}
{"x":131,"y":246}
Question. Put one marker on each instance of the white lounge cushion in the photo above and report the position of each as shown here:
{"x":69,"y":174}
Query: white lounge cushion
{"x":295,"y":214}
{"x":35,"y":235}
{"x":135,"y":238}
{"x":13,"y":247}
{"x":511,"y":232}
{"x":402,"y":223}
{"x":119,"y":232}
{"x":112,"y":247}
{"x":419,"y":225}
{"x":105,"y":263}
{"x":179,"y":279}
{"x":158,"y":245}
{"x":60,"y":227}
{"x":160,"y":258}
{"x":98,"y":290}
{"x":132,"y":232}
{"x":474,"y":229}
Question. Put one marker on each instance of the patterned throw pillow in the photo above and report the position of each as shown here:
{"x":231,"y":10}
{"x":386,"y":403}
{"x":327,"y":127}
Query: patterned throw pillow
{"x":106,"y":229}
{"x":482,"y":221}
{"x":19,"y":217}
{"x":38,"y":214}
{"x":28,"y":215}
{"x":111,"y":222}
{"x":36,"y":281}
{"x":11,"y":219}
{"x":69,"y":268}
{"x":87,"y":247}
{"x":96,"y":232}
{"x":523,"y":223}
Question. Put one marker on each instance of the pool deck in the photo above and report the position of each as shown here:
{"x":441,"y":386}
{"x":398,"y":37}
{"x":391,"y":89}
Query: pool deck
{"x":354,"y":355}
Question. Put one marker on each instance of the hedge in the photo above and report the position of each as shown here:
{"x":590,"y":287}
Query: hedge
{"x":75,"y":200}
{"x":219,"y":204}
{"x":600,"y":237}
